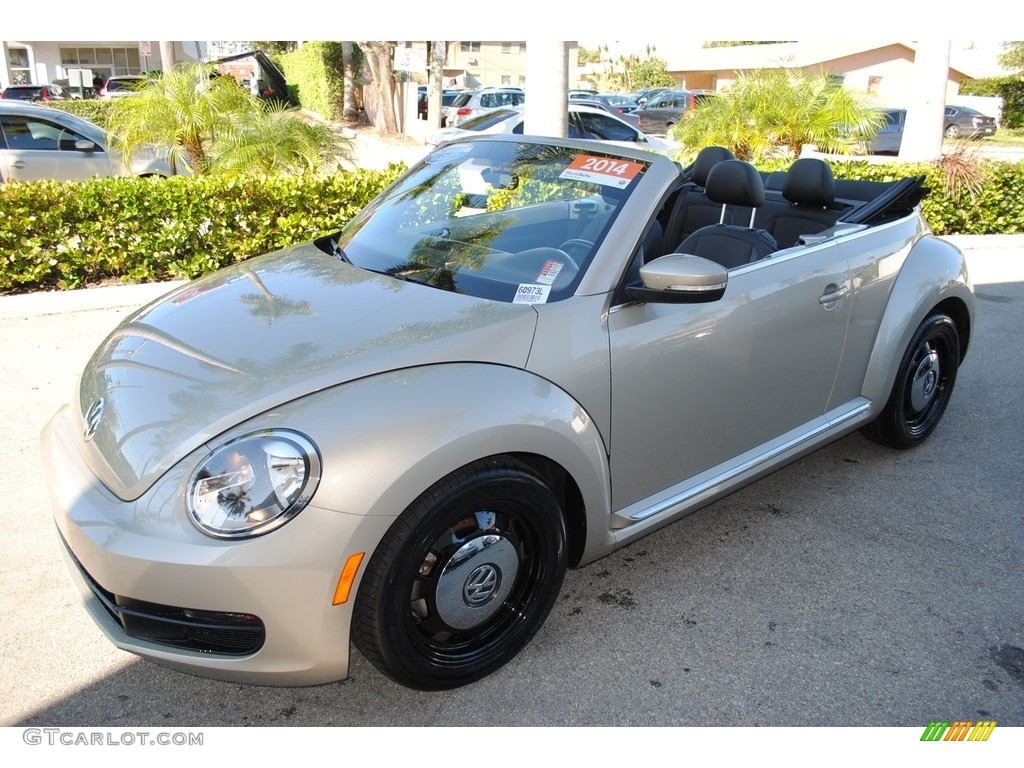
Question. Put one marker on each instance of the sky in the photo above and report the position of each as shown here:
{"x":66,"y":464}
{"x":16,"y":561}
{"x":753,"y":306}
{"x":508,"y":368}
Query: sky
{"x":596,"y":20}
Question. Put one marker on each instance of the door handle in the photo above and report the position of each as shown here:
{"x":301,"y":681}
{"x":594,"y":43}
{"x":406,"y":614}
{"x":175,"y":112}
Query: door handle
{"x":19,"y":164}
{"x":833,"y":293}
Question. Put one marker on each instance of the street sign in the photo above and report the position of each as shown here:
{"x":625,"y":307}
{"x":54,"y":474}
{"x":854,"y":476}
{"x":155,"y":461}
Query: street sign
{"x":410,"y":59}
{"x":145,"y":48}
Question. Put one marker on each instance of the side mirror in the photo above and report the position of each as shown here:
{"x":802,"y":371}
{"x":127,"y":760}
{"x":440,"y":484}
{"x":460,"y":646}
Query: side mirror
{"x":680,"y":278}
{"x":84,"y":145}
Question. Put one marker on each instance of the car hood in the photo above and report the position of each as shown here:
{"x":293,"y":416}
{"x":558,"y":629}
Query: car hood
{"x":224,"y":348}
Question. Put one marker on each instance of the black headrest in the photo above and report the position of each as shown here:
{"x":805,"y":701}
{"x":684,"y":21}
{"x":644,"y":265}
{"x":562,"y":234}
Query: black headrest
{"x":733,"y":182}
{"x":810,"y":182}
{"x":707,"y":158}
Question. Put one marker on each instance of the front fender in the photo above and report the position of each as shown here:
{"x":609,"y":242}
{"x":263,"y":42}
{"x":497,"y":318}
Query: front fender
{"x":387,"y":438}
{"x":934,"y":273}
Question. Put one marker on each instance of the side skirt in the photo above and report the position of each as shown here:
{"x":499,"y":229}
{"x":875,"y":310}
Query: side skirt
{"x":641,"y":518}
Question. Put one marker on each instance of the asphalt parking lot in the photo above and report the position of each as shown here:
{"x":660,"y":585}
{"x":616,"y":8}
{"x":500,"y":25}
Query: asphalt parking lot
{"x":857,"y":587}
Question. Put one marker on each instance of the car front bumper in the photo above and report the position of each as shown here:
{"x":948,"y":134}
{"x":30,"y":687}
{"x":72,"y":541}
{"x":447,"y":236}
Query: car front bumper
{"x":257,"y":610}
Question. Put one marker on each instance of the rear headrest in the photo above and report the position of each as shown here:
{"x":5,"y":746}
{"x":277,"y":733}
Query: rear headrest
{"x":733,"y":182}
{"x":707,"y":158}
{"x":810,"y":182}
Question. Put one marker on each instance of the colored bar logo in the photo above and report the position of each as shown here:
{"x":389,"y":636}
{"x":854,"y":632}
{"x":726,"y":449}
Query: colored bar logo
{"x":958,"y":730}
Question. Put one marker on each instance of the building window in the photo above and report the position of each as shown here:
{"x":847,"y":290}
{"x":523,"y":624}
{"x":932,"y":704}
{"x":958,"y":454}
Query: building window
{"x":102,"y":61}
{"x":506,"y":47}
{"x":874,"y":82}
{"x":506,"y":79}
{"x":470,"y":47}
{"x":522,"y":81}
{"x":18,"y":63}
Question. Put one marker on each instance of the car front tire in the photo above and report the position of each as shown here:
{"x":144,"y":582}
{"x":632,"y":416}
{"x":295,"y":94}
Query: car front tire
{"x":923,"y":386}
{"x":464,"y":578}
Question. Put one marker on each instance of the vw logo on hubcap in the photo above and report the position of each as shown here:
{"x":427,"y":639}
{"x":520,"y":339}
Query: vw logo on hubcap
{"x":481,"y":585}
{"x":92,"y":419}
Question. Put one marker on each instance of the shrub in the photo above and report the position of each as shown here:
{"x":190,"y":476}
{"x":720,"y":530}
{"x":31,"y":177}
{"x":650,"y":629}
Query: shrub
{"x":72,"y":234}
{"x":316,"y":71}
{"x":96,"y":110}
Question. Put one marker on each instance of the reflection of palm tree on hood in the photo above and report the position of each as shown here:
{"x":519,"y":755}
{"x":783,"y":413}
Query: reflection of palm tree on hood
{"x":267,"y":305}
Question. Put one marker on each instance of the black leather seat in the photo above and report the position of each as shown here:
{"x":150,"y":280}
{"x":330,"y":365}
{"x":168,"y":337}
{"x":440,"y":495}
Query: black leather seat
{"x":809,"y":206}
{"x":732,"y":182}
{"x":692,"y":209}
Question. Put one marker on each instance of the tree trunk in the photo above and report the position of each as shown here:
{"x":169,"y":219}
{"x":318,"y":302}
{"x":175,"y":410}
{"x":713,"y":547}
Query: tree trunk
{"x":348,"y":91}
{"x":379,"y":92}
{"x":434,"y":89}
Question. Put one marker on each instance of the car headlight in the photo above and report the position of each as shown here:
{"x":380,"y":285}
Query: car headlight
{"x":253,"y":484}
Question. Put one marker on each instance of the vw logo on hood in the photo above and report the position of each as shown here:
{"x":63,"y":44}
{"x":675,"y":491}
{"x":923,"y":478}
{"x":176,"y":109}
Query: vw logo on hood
{"x":92,"y":419}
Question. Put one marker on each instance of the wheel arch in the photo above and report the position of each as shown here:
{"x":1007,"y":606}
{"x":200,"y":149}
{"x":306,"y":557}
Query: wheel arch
{"x":387,"y":439}
{"x":570,"y":498}
{"x":933,"y":278}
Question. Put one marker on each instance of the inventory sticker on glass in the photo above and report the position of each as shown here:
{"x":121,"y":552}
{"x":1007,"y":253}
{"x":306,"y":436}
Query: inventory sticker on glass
{"x":528,"y":293}
{"x":608,"y":171}
{"x":549,"y":272}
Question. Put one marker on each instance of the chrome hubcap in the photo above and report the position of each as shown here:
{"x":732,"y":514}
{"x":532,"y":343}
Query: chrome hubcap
{"x":476,"y":580}
{"x":925,"y":381}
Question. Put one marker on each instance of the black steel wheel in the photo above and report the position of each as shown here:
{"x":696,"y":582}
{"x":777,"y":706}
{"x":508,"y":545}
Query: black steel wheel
{"x":923,"y":386}
{"x":464,"y":578}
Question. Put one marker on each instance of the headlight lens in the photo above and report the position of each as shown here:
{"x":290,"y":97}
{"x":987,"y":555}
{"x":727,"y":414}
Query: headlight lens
{"x":254,"y":484}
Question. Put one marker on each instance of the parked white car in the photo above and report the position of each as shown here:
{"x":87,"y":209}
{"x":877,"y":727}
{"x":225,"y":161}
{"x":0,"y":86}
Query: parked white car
{"x":584,"y":123}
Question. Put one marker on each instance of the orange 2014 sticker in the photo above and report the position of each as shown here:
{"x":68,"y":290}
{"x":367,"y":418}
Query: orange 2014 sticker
{"x":608,"y":171}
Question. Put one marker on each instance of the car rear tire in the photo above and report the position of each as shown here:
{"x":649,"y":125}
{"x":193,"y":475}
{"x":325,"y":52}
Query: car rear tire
{"x":464,"y":578}
{"x":923,"y":386}
{"x":952,"y":132}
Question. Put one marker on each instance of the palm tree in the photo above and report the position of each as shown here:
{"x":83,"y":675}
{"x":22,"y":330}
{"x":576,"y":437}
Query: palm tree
{"x":279,"y":139}
{"x":771,"y":112}
{"x":213,"y":125}
{"x":181,"y":111}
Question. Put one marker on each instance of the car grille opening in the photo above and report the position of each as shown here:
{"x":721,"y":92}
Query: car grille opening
{"x":208,"y":632}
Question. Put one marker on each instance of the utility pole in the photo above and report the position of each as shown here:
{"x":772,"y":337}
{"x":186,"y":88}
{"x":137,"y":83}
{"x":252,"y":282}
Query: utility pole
{"x":547,"y":77}
{"x":166,"y":55}
{"x":922,"y":134}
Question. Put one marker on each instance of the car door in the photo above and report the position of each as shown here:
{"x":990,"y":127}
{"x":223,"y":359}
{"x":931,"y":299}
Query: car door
{"x":657,"y":113}
{"x":37,"y":148}
{"x":890,"y":135}
{"x":702,"y":388}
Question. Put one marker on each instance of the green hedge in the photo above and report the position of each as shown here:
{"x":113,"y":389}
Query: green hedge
{"x":95,"y":110}
{"x":315,"y":70}
{"x":998,"y":208}
{"x":72,"y":234}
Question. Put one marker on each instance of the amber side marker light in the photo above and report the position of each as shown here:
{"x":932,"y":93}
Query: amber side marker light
{"x":348,"y":575}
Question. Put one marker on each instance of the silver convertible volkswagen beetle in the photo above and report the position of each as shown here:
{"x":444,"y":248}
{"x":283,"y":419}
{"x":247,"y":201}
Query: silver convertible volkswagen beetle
{"x":522,"y":355}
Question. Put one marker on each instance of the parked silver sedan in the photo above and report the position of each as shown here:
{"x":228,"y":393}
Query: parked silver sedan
{"x":38,"y":142}
{"x":523,"y":355}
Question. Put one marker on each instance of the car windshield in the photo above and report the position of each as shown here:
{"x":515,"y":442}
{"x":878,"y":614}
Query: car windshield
{"x":487,"y":119}
{"x":23,"y":93}
{"x":123,"y":85}
{"x":509,"y":221}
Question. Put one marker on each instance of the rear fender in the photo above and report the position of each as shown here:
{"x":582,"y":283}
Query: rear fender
{"x":934,"y":272}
